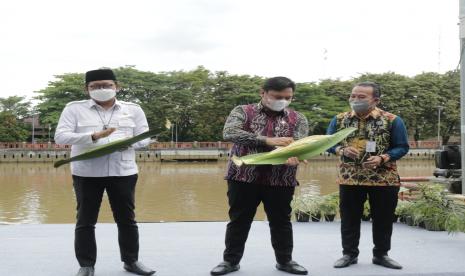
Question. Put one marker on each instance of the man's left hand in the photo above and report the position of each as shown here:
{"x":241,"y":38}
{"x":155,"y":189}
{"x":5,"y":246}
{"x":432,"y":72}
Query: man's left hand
{"x":373,"y":162}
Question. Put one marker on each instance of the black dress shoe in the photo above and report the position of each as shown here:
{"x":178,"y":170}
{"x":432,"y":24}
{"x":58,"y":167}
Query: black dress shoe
{"x":138,"y":268}
{"x":345,"y":261}
{"x":292,"y":267}
{"x":386,"y":262}
{"x":224,"y":268}
{"x":86,"y":271}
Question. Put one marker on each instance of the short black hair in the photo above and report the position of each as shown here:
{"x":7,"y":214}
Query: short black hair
{"x":376,"y":87}
{"x":278,"y":84}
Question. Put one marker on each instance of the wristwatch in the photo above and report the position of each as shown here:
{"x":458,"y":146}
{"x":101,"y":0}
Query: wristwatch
{"x":384,"y":158}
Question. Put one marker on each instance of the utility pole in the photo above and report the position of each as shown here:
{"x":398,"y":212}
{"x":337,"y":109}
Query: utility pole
{"x":462,"y":88}
{"x":440,"y":108}
{"x":176,"y":134}
{"x":33,"y":127}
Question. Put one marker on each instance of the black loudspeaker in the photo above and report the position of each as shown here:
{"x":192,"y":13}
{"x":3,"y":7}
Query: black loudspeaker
{"x":448,"y":158}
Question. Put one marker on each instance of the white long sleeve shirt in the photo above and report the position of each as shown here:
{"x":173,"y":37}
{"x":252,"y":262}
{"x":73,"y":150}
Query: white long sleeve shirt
{"x":80,"y":119}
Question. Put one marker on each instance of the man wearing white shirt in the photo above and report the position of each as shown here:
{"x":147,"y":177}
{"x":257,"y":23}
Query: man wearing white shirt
{"x":90,"y":123}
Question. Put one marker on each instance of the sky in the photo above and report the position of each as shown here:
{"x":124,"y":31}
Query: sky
{"x":305,"y":40}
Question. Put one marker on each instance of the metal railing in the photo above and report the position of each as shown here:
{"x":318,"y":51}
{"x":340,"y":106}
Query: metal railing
{"x":174,"y":145}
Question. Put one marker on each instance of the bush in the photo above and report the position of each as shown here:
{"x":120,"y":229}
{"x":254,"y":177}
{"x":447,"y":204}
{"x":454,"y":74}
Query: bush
{"x":436,"y":210}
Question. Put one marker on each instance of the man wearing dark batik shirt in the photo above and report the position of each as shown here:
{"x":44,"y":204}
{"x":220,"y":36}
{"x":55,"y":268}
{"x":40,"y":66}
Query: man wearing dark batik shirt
{"x":368,"y":169}
{"x":258,"y":128}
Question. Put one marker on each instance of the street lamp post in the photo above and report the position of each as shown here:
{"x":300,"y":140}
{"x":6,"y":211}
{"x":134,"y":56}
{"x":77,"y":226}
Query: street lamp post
{"x":175,"y":128}
{"x":462,"y":87}
{"x":176,"y":134}
{"x":172,"y":134}
{"x":440,"y":108}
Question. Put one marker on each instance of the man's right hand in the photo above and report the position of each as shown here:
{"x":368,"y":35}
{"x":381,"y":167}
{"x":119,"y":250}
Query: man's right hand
{"x":103,"y":133}
{"x":351,"y":152}
{"x":279,"y":141}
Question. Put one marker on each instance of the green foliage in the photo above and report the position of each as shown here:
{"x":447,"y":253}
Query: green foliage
{"x":436,"y":210}
{"x":197,"y":102}
{"x":15,"y":105}
{"x":306,"y":203}
{"x":318,"y":106}
{"x":65,"y":88}
{"x":329,"y":204}
{"x":417,"y":99}
{"x":366,"y":209}
{"x":11,"y":129}
{"x":316,"y":206}
{"x":403,"y":208}
{"x":12,"y":110}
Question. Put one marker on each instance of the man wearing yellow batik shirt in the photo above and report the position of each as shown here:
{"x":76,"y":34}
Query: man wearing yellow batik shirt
{"x":368,"y":169}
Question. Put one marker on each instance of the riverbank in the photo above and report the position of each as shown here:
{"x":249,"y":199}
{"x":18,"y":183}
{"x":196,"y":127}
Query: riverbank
{"x":166,"y":191}
{"x":193,"y":248}
{"x":160,"y":155}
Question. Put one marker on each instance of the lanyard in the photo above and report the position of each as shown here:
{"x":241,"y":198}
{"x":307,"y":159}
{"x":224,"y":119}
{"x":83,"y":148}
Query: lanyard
{"x":105,"y":126}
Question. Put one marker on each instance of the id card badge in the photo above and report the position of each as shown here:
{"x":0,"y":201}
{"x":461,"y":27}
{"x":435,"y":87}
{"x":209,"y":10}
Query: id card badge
{"x":371,"y":146}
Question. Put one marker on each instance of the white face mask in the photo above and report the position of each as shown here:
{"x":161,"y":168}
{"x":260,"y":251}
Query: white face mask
{"x":102,"y":95}
{"x":277,"y":105}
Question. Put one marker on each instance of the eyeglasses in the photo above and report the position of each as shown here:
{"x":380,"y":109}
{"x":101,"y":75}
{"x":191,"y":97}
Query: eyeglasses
{"x":101,"y":86}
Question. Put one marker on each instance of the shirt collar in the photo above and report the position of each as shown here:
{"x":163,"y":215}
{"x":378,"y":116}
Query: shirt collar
{"x":91,"y":103}
{"x":375,"y":114}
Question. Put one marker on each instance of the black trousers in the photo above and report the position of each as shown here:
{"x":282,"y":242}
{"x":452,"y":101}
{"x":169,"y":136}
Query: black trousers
{"x":244,"y":199}
{"x":89,"y":192}
{"x":383,"y":202}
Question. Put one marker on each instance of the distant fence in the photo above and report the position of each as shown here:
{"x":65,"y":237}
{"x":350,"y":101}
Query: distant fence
{"x":191,"y":145}
{"x":424,"y":144}
{"x":30,"y":146}
{"x":156,"y":145}
{"x":174,"y":145}
{"x":165,"y":151}
{"x":160,"y":155}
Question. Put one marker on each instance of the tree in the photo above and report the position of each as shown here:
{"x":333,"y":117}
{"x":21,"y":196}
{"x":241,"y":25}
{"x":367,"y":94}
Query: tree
{"x":450,"y":100}
{"x":198,"y":102}
{"x":53,"y":98}
{"x":224,"y":92}
{"x":11,"y":129}
{"x":15,"y":105}
{"x":318,"y":106}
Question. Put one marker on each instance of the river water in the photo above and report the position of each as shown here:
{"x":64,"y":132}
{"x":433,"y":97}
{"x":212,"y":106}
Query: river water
{"x":194,"y":191}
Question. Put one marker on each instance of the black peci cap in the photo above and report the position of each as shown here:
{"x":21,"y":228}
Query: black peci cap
{"x":100,"y":74}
